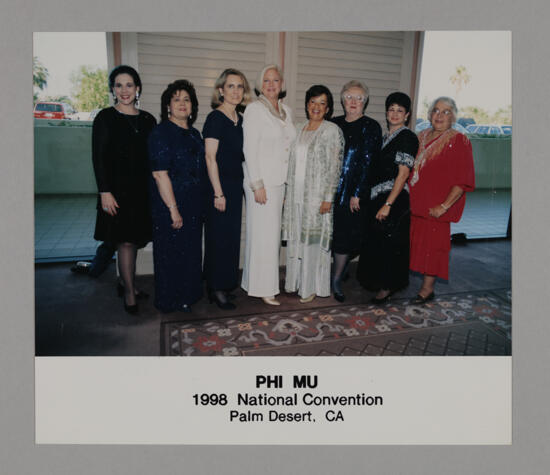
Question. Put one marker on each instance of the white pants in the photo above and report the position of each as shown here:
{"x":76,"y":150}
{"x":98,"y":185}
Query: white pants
{"x":263,"y":242}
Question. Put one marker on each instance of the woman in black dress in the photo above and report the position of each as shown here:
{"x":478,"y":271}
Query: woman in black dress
{"x":119,"y":153}
{"x":223,"y":137}
{"x":176,"y":155}
{"x":384,"y":261}
{"x":363,"y":137}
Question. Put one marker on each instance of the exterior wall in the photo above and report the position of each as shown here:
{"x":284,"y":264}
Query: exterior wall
{"x":383,"y":60}
{"x":200,"y":58}
{"x":63,"y":158}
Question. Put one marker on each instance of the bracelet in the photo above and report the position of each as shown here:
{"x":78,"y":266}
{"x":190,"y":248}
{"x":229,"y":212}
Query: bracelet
{"x":444,"y":207}
{"x":219,"y":196}
{"x":388,"y":203}
{"x":175,"y":205}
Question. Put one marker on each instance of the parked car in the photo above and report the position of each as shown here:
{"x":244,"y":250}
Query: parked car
{"x":425,"y":124}
{"x":466,"y":121}
{"x":488,"y":129}
{"x":53,"y":110}
{"x":507,"y":129}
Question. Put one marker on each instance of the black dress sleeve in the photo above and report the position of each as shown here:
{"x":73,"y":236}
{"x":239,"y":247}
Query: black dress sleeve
{"x":372,"y":143}
{"x":159,"y":149}
{"x":407,"y":148}
{"x":103,"y":165}
{"x":213,"y":126}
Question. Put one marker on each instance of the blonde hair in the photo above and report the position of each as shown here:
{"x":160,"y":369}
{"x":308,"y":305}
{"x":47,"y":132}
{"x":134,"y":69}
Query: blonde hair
{"x":217,"y":98}
{"x":260,"y":79}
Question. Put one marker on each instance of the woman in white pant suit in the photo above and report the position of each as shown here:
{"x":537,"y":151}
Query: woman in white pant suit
{"x":268,"y":132}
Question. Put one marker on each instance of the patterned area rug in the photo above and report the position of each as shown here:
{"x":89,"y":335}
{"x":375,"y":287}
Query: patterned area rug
{"x":473,"y":323}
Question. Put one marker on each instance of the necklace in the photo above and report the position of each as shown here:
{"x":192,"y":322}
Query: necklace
{"x":230,"y":116}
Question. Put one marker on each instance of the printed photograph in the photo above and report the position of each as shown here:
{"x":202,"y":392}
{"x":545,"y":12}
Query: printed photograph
{"x":272,"y":193}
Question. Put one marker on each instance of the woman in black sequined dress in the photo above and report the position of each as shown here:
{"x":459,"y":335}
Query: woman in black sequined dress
{"x":363,"y":137}
{"x":384,"y":262}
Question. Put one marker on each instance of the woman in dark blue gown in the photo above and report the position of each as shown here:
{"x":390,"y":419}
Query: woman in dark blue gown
{"x":176,"y":154}
{"x":223,"y":137}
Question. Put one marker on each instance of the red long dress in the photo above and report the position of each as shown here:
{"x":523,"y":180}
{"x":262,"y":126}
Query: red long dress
{"x":444,"y":162}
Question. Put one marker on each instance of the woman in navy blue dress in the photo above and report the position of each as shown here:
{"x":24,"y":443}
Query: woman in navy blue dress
{"x":176,"y":154}
{"x":223,"y":137}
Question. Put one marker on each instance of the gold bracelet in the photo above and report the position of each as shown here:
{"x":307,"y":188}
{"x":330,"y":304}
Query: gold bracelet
{"x":444,"y":207}
{"x":218,"y":197}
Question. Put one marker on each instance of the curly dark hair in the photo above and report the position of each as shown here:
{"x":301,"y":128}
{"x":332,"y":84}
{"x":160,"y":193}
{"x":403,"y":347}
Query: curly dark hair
{"x":124,"y":69}
{"x":171,"y":90}
{"x":316,"y":91}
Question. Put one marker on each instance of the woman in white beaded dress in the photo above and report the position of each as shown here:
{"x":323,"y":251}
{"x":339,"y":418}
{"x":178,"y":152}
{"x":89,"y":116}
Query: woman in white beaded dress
{"x":313,"y":174}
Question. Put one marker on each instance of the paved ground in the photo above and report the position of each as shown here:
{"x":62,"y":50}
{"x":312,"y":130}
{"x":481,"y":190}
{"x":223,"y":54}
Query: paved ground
{"x":64,"y":224}
{"x":78,"y":316}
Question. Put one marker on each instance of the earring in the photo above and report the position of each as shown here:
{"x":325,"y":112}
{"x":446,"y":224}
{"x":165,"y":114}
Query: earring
{"x":115,"y":100}
{"x":168,"y":110}
{"x":137,"y":98}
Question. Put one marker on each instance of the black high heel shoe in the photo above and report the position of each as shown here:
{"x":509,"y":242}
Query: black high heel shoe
{"x":419,"y":300}
{"x":338,"y":294}
{"x":131,"y":309}
{"x":140,"y":294}
{"x":213,"y":298}
{"x":382,"y":300}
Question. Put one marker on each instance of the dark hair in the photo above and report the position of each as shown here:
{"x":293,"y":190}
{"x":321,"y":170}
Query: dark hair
{"x":124,"y":69}
{"x":401,"y":99}
{"x":319,"y":90}
{"x":171,"y":90}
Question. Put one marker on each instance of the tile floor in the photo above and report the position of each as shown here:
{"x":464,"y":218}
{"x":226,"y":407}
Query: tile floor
{"x":64,"y":224}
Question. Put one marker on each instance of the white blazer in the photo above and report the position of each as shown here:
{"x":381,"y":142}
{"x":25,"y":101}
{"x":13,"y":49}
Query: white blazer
{"x":266,"y":146}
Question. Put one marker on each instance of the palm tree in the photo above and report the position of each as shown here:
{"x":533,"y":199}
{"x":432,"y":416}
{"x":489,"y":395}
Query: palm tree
{"x":39,"y":76}
{"x":460,"y":78}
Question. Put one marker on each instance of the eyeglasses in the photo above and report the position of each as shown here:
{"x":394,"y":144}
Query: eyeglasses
{"x":444,"y":112}
{"x":349,"y":97}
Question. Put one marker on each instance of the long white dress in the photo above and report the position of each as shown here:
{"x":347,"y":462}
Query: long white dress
{"x":267,"y":140}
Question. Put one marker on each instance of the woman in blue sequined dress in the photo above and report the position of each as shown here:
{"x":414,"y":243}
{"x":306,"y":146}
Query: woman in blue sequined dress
{"x":176,"y":154}
{"x":363,"y":140}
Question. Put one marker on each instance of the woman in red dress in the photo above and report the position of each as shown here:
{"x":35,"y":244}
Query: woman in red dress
{"x":443,"y":171}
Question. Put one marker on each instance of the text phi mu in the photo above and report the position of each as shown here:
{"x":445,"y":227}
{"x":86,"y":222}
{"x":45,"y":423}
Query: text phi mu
{"x":276,"y":381}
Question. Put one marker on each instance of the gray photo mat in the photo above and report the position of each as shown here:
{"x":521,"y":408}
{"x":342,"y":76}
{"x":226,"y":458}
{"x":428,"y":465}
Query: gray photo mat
{"x":530,"y":37}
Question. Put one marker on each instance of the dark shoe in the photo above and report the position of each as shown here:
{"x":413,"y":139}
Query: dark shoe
{"x":140,"y":294}
{"x":81,"y":267}
{"x":421,"y":300}
{"x":213,"y":298}
{"x":131,"y":309}
{"x":337,"y":290}
{"x":381,"y":300}
{"x":339,"y":296}
{"x":229,"y":296}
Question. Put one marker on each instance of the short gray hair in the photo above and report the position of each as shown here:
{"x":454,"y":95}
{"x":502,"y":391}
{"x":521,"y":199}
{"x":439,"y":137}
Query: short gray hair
{"x":260,"y":79}
{"x":360,"y":85}
{"x":447,"y":100}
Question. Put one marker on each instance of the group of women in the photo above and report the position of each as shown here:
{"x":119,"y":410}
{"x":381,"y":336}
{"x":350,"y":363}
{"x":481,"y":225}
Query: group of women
{"x":331,"y":188}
